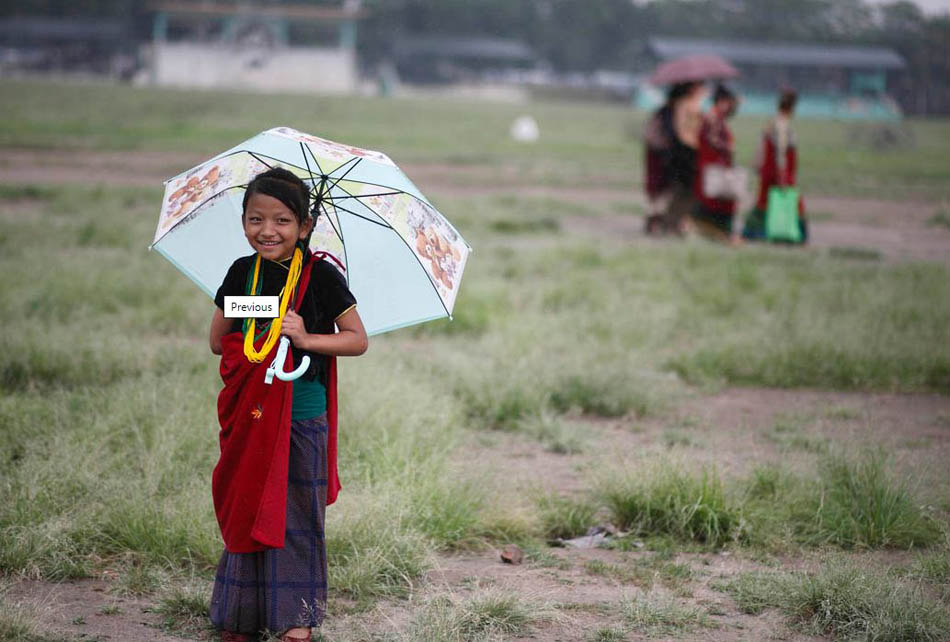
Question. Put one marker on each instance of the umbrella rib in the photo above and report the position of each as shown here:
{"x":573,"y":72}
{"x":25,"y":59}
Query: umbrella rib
{"x":353,"y":180}
{"x":313,"y":156}
{"x":339,"y":233}
{"x":408,"y":247}
{"x":309,"y":171}
{"x":365,"y":218}
{"x":260,"y":160}
{"x":399,"y":191}
{"x":352,"y":167}
{"x":343,"y":198}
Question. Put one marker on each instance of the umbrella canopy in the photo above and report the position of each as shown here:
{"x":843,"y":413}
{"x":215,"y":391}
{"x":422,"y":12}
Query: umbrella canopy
{"x":402,"y":259}
{"x":693,"y":68}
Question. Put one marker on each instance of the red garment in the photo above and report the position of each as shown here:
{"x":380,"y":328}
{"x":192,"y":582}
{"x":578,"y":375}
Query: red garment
{"x":769,"y":174}
{"x":716,"y":146}
{"x":249,"y":483}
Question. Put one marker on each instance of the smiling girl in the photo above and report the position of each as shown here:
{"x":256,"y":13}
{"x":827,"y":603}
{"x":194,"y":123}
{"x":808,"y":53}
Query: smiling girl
{"x":273,"y":482}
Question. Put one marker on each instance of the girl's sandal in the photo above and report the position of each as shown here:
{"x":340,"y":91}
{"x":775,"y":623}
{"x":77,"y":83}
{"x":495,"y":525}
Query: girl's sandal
{"x":287,"y":638}
{"x":230,"y":636}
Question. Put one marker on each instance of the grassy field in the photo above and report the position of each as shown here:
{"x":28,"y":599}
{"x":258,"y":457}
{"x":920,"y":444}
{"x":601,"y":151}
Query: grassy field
{"x":579,"y":144}
{"x":561,"y":343}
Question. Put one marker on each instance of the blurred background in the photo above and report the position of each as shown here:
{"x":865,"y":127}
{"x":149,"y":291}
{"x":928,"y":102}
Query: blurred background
{"x":848,"y":58}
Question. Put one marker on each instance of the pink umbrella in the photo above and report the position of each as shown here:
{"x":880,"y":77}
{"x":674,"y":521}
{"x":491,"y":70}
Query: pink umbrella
{"x":692,"y":68}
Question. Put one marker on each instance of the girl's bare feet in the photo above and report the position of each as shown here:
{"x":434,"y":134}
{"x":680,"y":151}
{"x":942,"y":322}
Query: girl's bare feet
{"x":296,"y":635}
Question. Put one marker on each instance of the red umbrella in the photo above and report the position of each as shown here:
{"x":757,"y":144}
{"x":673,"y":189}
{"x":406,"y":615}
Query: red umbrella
{"x":692,"y":68}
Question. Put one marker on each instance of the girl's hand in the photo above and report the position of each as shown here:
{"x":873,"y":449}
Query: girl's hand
{"x":294,"y":328}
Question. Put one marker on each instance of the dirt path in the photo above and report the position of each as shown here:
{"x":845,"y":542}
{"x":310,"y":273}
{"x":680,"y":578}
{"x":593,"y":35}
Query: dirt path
{"x":86,"y":610}
{"x":860,"y":228}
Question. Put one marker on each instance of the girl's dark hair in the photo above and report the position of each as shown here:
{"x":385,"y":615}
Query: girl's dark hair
{"x":680,"y":90}
{"x":786,"y":100}
{"x":283,"y":185}
{"x":723,"y":93}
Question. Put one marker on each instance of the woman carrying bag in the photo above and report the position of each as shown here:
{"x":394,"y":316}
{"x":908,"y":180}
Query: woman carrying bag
{"x":779,"y":212}
{"x":718,"y":183}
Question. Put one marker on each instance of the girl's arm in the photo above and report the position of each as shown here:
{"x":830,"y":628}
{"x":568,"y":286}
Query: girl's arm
{"x":219,"y":327}
{"x":350,"y":341}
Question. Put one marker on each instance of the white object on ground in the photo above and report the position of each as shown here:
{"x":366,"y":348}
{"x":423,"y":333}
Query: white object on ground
{"x":525,"y":129}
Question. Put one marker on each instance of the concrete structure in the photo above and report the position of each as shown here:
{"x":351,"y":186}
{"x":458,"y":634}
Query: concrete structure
{"x":294,"y":48}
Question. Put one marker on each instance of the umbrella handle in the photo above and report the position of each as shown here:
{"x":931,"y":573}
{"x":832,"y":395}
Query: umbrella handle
{"x":277,"y":365}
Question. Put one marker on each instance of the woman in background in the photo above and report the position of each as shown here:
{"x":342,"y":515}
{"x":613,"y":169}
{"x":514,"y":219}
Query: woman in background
{"x":778,"y":165}
{"x":713,"y":214}
{"x":671,"y":139}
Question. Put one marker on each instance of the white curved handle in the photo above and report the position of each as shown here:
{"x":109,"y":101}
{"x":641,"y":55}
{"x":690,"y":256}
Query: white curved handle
{"x":276,"y":367}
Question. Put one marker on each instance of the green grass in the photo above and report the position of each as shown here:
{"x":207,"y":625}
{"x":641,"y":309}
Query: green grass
{"x":644,"y":571}
{"x":855,"y":253}
{"x":863,"y":504}
{"x":842,"y":331}
{"x":664,"y":499}
{"x":17,"y":626}
{"x":607,"y":634}
{"x":600,"y":393}
{"x":566,"y":517}
{"x":934,"y":568}
{"x":788,"y":432}
{"x":657,"y":617}
{"x":488,"y":615}
{"x":579,"y":143}
{"x":844,"y":601}
{"x":940,"y":219}
{"x":557,"y":434}
{"x":107,"y":401}
{"x":853,"y":501}
{"x":184,"y":610}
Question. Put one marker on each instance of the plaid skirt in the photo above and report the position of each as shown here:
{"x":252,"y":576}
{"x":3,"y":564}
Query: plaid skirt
{"x":283,"y":588}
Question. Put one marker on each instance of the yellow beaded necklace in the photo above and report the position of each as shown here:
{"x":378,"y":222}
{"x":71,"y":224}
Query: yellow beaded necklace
{"x":293,"y":275}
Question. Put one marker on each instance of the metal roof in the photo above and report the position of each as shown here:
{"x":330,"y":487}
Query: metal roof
{"x":302,"y":11}
{"x":492,"y":48}
{"x":61,"y":29}
{"x":779,"y":53}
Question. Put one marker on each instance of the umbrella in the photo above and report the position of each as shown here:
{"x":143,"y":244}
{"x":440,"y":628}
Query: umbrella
{"x":692,"y":68}
{"x":401,"y":258}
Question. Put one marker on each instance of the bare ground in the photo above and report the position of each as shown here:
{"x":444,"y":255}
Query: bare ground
{"x":735,"y":428}
{"x":894,"y":230}
{"x":86,"y":610}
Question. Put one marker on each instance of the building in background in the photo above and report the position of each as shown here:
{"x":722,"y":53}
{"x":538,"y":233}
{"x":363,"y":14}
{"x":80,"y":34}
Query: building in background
{"x":66,"y":46}
{"x":296,"y":48}
{"x":435,"y":59}
{"x":833,"y":81}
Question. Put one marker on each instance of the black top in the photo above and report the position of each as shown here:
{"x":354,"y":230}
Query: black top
{"x":326,"y":298}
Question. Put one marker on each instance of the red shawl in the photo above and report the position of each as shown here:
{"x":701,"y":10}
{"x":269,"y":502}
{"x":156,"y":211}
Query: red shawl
{"x":249,"y":484}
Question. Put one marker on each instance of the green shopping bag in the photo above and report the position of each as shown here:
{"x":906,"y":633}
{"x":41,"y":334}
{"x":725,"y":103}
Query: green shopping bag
{"x":781,"y":216}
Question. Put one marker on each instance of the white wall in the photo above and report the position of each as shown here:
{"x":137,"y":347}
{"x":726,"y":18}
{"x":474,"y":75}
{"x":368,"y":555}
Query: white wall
{"x":308,"y":69}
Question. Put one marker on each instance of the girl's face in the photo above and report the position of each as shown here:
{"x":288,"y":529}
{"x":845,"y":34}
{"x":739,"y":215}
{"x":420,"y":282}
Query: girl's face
{"x":272,"y":228}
